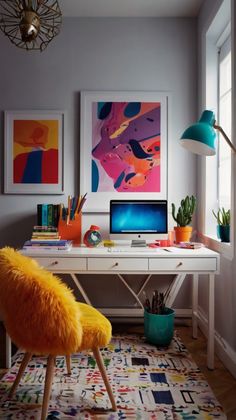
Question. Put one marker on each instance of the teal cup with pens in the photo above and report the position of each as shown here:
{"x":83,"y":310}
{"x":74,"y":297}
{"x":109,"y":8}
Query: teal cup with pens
{"x":159,"y":328}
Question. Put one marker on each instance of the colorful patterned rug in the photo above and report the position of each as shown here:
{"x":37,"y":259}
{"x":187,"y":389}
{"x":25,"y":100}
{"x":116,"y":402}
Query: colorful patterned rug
{"x":148,"y":383}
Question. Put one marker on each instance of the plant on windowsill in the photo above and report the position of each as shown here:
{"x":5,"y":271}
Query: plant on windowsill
{"x":223,"y":224}
{"x":183,"y":218}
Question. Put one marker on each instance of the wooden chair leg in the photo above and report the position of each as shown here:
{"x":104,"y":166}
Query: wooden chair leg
{"x":48,"y":384}
{"x":68,"y":365}
{"x":21,"y":370}
{"x":102,"y":369}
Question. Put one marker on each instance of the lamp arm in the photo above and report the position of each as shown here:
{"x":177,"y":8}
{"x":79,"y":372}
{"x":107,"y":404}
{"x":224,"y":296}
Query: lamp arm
{"x":220,"y":129}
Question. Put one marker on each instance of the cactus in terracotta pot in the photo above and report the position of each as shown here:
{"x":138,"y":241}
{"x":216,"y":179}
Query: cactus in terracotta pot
{"x":183,"y":218}
{"x":185,"y":212}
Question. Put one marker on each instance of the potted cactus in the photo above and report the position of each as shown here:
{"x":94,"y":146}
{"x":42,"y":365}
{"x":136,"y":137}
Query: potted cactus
{"x":223,"y":224}
{"x":183,"y":218}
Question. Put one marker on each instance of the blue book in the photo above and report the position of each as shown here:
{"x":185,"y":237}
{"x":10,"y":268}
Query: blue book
{"x":61,"y":242}
{"x":44,"y":214}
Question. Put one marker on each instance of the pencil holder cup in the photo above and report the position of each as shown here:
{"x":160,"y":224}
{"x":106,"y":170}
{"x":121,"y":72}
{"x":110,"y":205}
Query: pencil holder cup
{"x":159,"y":329}
{"x":72,"y":230}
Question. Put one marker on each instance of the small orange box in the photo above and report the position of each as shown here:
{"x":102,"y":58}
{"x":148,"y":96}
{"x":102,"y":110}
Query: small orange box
{"x":72,"y":230}
{"x":171,"y":237}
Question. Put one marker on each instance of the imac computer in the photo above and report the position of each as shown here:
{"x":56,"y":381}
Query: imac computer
{"x":138,"y":220}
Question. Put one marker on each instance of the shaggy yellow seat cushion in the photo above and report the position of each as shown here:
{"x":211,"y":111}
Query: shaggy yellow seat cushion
{"x":96,"y":328}
{"x":40,"y":313}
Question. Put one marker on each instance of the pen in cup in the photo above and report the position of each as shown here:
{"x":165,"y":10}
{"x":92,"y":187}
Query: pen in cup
{"x":68,"y":211}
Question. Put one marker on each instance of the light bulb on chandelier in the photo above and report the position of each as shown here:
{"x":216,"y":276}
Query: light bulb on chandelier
{"x":30,"y":24}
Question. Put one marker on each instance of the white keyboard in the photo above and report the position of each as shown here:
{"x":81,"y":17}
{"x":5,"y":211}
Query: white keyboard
{"x":131,"y":249}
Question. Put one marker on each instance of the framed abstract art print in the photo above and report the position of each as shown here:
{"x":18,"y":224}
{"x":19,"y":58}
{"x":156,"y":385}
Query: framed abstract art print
{"x":123,"y":147}
{"x":33,"y":152}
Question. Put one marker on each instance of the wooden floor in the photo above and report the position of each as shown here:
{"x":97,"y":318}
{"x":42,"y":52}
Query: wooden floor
{"x":220,"y":380}
{"x":222,"y":383}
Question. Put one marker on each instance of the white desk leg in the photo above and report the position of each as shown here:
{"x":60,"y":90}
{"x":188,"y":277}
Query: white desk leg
{"x":211,"y":323}
{"x":195,"y":305}
{"x":8,"y":351}
{"x":174,"y":289}
{"x":82,"y":291}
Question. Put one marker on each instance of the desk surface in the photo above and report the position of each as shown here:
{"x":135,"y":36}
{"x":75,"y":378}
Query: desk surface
{"x":125,"y":251}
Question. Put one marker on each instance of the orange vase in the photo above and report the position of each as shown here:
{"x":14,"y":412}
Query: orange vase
{"x":183,"y":233}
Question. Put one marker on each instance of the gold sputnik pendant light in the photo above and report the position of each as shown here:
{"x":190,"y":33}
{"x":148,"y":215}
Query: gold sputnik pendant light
{"x":30,"y":24}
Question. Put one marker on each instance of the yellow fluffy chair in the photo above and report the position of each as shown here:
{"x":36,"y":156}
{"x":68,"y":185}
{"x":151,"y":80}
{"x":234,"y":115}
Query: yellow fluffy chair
{"x":42,"y":317}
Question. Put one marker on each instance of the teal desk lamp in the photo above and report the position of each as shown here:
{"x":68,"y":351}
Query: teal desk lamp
{"x":200,"y":138}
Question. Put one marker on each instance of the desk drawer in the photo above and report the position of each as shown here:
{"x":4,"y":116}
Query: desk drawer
{"x":68,"y":264}
{"x":117,"y":264}
{"x":183,"y":264}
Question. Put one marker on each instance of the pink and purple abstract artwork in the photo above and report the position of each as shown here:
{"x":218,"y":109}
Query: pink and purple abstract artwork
{"x":126,"y":146}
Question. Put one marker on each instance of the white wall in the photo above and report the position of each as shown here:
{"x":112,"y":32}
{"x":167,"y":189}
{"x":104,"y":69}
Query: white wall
{"x":225,"y":286}
{"x":100,"y":54}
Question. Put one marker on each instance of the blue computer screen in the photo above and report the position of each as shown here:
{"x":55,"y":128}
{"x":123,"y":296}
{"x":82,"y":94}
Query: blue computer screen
{"x":138,"y":216}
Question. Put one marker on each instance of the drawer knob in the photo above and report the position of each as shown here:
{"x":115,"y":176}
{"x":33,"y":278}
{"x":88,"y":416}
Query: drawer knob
{"x":179,"y":265}
{"x":116,"y":264}
{"x":54,"y":263}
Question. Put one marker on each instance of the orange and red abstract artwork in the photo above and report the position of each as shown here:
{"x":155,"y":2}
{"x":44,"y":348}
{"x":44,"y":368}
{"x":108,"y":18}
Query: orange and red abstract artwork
{"x":35,"y":151}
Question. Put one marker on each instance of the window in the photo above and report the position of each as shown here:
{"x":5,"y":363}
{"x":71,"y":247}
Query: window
{"x":216,"y":182}
{"x":225,"y":118}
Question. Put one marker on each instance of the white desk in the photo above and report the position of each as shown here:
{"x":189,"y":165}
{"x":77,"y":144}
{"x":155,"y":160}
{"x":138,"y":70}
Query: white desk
{"x":81,"y":260}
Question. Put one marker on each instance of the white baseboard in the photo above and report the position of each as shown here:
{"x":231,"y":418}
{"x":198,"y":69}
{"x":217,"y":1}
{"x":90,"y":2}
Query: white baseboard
{"x":133,"y":312}
{"x":223,"y":350}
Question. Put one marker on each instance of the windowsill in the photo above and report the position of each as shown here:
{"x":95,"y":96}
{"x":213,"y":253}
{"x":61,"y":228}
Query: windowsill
{"x":224,"y":248}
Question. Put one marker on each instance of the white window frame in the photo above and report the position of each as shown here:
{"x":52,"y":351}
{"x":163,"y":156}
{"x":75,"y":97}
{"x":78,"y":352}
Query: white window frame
{"x":224,"y":50}
{"x":215,"y":35}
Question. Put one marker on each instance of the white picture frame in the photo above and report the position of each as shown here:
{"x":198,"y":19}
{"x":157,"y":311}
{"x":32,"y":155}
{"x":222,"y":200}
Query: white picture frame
{"x":27,"y":132}
{"x":97,"y":198}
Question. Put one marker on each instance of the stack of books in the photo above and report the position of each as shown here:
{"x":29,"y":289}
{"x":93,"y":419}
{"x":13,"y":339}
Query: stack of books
{"x":46,"y":238}
{"x":47,"y":233}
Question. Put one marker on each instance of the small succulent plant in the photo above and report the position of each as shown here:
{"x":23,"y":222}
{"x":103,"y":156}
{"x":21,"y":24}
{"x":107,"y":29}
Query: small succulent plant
{"x":222,"y":216}
{"x":183,"y":216}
